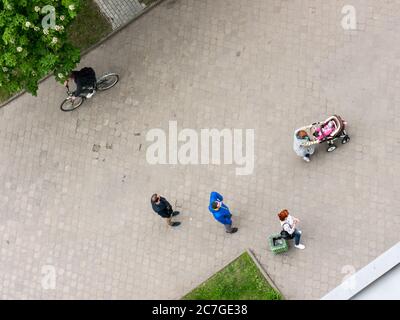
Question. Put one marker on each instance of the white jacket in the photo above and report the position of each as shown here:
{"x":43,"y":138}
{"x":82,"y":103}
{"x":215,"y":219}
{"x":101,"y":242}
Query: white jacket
{"x":288,"y":225}
{"x":302,"y":147}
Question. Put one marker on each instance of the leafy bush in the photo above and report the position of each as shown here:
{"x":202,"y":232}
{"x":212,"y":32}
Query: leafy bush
{"x":34,"y":42}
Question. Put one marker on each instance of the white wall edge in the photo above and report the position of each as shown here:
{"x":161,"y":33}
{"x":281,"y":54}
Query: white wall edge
{"x":367,"y":275}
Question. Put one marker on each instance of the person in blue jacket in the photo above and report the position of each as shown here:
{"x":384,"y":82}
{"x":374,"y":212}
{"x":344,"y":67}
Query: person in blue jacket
{"x":221,"y":212}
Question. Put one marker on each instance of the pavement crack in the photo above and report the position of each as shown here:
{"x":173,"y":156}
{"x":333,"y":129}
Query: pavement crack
{"x":78,"y":122}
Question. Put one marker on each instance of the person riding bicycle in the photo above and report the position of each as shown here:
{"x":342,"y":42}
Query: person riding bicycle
{"x":87,"y":85}
{"x":85,"y":80}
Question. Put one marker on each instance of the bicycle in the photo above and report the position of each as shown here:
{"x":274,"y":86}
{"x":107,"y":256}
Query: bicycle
{"x":104,"y":83}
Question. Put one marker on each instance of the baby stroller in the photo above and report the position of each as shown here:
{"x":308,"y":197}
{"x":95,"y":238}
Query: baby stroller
{"x":329,"y":131}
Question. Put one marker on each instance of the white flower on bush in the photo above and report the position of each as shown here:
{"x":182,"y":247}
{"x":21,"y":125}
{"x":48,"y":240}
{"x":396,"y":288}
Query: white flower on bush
{"x":37,"y":9}
{"x":5,"y":69}
{"x":28,"y":24}
{"x":71,"y":7}
{"x":55,"y":40}
{"x":36,"y":28}
{"x":46,"y":31}
{"x":59,"y":28}
{"x":33,"y":73}
{"x":19,"y":49}
{"x":60,"y":75}
{"x":12,"y":41}
{"x":62,"y":18}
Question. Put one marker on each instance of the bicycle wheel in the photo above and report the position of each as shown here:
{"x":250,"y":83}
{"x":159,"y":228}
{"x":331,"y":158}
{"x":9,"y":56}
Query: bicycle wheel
{"x":69,"y":105}
{"x":107,"y":81}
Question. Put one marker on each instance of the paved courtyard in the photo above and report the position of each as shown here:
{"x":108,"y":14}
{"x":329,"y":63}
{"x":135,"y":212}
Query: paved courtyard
{"x":120,"y":12}
{"x":75,"y":187}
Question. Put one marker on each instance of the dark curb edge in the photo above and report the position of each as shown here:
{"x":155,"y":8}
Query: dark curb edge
{"x":96,"y":45}
{"x":264,"y":273}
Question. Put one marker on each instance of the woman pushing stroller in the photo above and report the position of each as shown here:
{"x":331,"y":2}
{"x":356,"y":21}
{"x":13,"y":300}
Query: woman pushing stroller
{"x":305,"y":139}
{"x":303,"y":145}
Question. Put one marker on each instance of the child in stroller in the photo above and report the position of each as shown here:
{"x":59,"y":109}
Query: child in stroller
{"x":325,"y":130}
{"x":329,"y":131}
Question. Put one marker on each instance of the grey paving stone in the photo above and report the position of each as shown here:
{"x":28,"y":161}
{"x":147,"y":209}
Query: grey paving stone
{"x":272,"y":66}
{"x":120,"y":12}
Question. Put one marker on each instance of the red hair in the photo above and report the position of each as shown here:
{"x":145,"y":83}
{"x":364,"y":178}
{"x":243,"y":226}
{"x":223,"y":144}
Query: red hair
{"x":283,"y":215}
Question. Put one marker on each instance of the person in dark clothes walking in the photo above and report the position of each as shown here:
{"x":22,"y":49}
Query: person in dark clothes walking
{"x":164,"y":209}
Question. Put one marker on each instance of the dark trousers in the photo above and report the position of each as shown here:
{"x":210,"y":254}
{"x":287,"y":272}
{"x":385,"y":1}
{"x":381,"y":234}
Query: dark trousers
{"x":228,"y":227}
